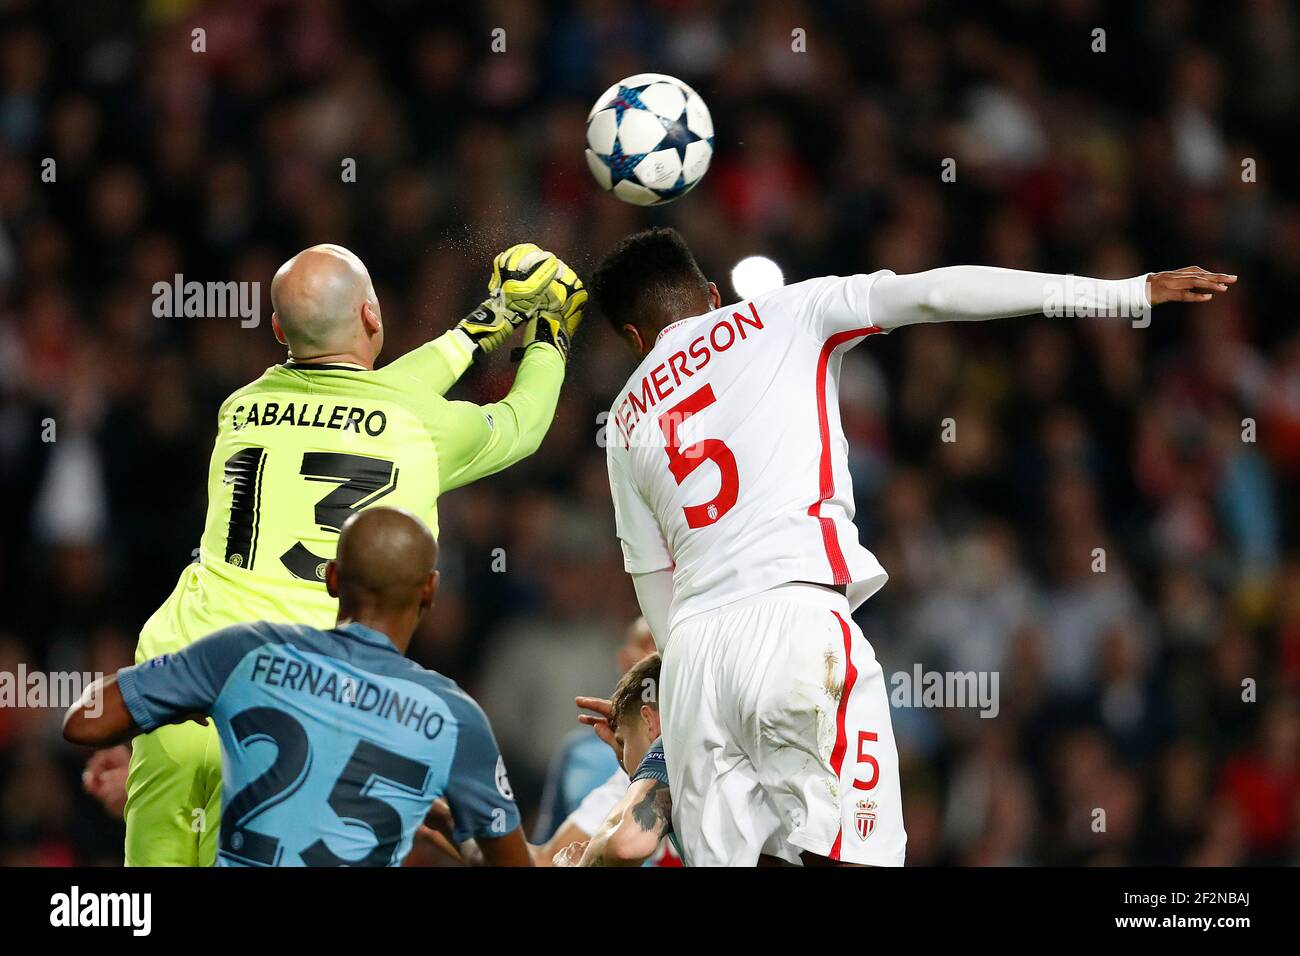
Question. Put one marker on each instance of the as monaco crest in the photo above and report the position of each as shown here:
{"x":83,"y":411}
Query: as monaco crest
{"x":865,"y":818}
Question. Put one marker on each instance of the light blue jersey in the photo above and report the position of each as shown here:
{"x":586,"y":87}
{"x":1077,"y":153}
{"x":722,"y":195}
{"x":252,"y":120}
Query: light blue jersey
{"x":333,"y":744}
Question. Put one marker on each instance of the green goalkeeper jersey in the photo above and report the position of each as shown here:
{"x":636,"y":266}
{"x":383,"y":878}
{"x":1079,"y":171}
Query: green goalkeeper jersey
{"x":304,"y":446}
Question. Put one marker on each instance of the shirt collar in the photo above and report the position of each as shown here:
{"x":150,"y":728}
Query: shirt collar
{"x":367,"y":635}
{"x":667,"y":328}
{"x":324,"y":366}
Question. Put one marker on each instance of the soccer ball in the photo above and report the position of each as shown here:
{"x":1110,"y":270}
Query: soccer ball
{"x":649,"y":139}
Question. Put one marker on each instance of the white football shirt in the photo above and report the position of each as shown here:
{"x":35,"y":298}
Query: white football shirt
{"x":727,"y":460}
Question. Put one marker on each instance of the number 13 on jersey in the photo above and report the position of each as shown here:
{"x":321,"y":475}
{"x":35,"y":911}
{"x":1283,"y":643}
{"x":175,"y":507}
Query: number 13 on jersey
{"x":359,"y":481}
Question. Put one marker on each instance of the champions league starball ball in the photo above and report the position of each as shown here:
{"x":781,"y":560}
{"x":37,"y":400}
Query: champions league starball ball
{"x":649,"y":139}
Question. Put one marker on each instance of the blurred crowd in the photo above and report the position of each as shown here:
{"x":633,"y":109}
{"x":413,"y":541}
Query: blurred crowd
{"x":1114,"y":530}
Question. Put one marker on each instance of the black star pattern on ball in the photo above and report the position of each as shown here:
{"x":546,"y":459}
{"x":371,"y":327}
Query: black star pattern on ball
{"x":677,"y":135}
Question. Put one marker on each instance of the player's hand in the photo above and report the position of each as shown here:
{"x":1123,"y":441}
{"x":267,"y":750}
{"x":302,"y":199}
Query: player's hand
{"x":560,"y":312}
{"x":520,"y":285}
{"x":1189,"y":284}
{"x":521,"y":279}
{"x":598,"y":720}
{"x":571,"y":855}
{"x":105,"y":778}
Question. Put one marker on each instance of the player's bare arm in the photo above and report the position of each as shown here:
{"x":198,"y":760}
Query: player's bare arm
{"x":437,"y":832}
{"x":508,"y":850}
{"x":632,"y":831}
{"x":511,"y":849}
{"x":100,"y":717}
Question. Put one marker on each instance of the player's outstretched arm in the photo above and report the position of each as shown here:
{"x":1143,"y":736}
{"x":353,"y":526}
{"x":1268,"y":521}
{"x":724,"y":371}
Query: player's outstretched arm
{"x":474,"y":441}
{"x":632,"y":831}
{"x":975,"y":293}
{"x":479,"y":440}
{"x":587,"y":817}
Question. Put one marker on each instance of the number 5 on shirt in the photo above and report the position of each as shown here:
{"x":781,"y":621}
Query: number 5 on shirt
{"x":683,"y":461}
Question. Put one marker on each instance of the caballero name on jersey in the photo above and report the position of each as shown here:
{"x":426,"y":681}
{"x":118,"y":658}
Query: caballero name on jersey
{"x":310,"y":415}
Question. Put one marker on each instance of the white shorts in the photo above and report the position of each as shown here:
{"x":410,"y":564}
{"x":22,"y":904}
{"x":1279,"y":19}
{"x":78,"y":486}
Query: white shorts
{"x":777,"y":734}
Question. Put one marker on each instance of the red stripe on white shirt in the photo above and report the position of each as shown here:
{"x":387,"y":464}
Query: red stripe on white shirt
{"x":830,"y":538}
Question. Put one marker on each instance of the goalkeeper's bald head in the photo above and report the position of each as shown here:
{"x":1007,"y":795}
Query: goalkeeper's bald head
{"x":326,"y":309}
{"x":385,"y":573}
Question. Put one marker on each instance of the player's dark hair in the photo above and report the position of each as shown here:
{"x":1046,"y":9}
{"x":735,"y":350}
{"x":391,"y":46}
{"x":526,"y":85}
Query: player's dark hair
{"x":650,"y":279}
{"x":640,"y":685}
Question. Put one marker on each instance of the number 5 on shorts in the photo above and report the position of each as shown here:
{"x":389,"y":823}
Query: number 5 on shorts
{"x":865,"y":737}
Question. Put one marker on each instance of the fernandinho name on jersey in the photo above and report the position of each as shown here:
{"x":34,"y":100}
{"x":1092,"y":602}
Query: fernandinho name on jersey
{"x":365,"y":696}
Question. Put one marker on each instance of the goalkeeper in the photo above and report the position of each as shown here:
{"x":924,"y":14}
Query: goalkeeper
{"x":309,"y":443}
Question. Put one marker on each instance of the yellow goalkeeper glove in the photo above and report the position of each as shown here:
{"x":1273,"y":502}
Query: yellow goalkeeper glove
{"x":560,"y":313}
{"x":520,"y":284}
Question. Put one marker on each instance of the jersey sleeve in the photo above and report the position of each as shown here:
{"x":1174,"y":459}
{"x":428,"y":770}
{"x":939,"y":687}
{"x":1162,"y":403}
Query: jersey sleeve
{"x":160,"y":690}
{"x":832,"y":305}
{"x":653,"y":766}
{"x":642,"y":540}
{"x":980,"y":293}
{"x":436,"y":366}
{"x":478,"y":790}
{"x":474,"y":441}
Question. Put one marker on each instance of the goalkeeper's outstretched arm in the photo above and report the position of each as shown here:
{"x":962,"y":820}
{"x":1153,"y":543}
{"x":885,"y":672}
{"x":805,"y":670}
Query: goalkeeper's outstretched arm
{"x":520,"y":285}
{"x":478,"y":440}
{"x":532,"y":288}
